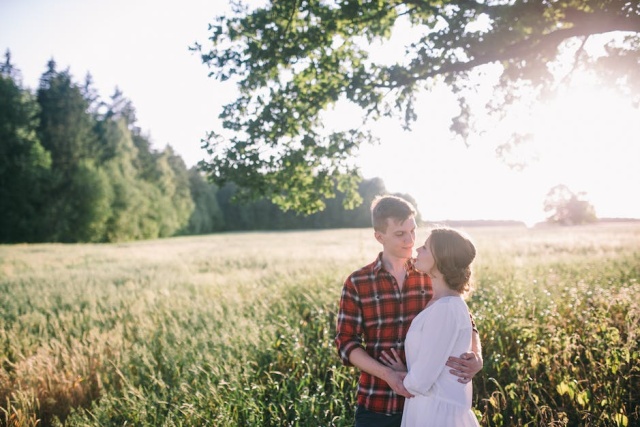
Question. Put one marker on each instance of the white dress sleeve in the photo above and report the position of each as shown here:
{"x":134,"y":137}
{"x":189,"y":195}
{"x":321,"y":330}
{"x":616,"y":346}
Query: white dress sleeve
{"x":438,"y":334}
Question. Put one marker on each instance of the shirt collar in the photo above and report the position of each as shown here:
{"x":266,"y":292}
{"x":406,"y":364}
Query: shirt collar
{"x":378,"y":265}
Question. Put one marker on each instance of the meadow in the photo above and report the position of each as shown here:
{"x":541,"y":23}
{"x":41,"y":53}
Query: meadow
{"x":237,"y":329}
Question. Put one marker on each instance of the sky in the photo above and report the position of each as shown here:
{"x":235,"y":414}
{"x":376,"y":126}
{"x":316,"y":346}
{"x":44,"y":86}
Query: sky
{"x":588,"y":140}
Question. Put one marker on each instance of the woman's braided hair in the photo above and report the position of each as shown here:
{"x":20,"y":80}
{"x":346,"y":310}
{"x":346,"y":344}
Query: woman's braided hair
{"x":453,"y":253}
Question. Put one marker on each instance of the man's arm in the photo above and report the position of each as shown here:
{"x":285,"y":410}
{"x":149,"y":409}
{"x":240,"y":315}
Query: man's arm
{"x":349,"y":344}
{"x":361,"y":360}
{"x":468,"y":364}
{"x":476,"y":346}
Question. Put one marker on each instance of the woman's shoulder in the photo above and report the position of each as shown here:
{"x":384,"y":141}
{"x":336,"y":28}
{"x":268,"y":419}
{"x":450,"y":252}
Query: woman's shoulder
{"x":454,"y":305}
{"x":451,"y":300}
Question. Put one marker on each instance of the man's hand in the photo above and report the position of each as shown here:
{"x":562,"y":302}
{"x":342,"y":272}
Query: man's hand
{"x":466,"y":366}
{"x":394,"y":379}
{"x":361,"y":360}
{"x":393,"y":361}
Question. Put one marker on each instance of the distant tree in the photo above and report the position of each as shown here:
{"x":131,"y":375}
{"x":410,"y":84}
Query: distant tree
{"x":66,"y":127}
{"x":120,"y":110}
{"x":263,"y":214}
{"x":146,"y":157}
{"x":120,"y":107}
{"x":151,"y":195}
{"x":360,"y":216}
{"x":87,"y":205}
{"x":410,"y":199}
{"x":78,"y":191}
{"x":292,"y":60}
{"x":175,"y":201}
{"x":134,"y":213}
{"x":206,"y":216}
{"x":168,"y":203}
{"x":568,"y":208}
{"x":76,"y":169}
{"x":24,"y":163}
{"x":234,"y":213}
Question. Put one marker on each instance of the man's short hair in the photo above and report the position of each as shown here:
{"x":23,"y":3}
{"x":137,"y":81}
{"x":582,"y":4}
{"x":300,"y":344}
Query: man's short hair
{"x":389,"y":207}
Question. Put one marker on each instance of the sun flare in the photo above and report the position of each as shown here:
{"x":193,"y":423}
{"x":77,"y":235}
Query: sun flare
{"x":585,"y":138}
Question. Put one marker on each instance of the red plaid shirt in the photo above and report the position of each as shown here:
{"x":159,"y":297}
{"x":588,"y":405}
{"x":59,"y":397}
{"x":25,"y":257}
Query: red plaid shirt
{"x":374,"y":311}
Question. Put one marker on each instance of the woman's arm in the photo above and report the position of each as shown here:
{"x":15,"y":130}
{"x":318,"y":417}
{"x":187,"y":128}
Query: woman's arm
{"x":437,"y":338}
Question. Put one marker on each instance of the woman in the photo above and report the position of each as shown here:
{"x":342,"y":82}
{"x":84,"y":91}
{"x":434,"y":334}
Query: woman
{"x":442,"y":328}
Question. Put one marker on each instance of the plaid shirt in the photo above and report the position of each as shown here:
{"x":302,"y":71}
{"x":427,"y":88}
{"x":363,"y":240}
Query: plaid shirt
{"x":375,"y":311}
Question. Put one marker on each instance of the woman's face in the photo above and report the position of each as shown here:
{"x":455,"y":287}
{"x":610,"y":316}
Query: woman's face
{"x":425,"y":261}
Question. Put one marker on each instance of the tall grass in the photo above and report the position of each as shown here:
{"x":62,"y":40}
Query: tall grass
{"x":237,"y":329}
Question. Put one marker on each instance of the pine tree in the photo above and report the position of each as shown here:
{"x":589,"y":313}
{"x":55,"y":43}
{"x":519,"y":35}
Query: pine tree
{"x":24,"y":163}
{"x":78,"y":190}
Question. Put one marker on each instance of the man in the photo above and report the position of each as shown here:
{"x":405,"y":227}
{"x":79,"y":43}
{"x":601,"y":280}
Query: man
{"x":378,"y":303}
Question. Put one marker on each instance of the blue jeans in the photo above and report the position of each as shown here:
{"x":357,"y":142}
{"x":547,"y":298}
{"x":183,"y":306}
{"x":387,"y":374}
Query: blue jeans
{"x":366,"y":418}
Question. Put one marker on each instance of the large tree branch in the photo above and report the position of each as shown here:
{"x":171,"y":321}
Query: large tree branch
{"x":525,"y":48}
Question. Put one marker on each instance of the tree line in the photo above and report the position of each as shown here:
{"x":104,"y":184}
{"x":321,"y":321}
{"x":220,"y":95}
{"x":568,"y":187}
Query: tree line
{"x":76,"y":168}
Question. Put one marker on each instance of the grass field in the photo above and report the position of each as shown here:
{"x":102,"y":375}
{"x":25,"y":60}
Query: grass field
{"x":237,"y":329}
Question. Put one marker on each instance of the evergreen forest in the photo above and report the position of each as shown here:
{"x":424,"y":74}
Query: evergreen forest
{"x":76,"y":168}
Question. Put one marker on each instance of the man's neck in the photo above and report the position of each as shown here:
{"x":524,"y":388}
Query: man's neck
{"x":393,"y":264}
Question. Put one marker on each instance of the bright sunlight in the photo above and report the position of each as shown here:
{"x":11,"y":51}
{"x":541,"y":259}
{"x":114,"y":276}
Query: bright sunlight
{"x":584,"y":139}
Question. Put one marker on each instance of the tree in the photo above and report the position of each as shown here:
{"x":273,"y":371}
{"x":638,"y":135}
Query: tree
{"x":24,"y":163}
{"x":129,"y":203}
{"x":206,"y":216}
{"x":175,"y":202}
{"x":263,"y":214}
{"x":292,"y":60}
{"x":568,"y":208}
{"x":76,"y":169}
{"x":66,"y":127}
{"x":75,"y":207}
{"x":150,"y":195}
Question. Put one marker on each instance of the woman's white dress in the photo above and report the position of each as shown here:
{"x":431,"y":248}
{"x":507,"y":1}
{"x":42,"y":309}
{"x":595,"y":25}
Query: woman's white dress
{"x":437,"y":332}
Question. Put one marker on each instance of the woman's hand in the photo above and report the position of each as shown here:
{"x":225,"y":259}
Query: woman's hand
{"x":393,"y":361}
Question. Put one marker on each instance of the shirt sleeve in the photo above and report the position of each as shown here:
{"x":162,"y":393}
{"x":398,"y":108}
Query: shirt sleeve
{"x":437,"y":338}
{"x":349,"y":323}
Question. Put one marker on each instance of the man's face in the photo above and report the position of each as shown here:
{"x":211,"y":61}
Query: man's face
{"x":399,"y":238}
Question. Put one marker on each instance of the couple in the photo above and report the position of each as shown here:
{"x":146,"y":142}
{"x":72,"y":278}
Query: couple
{"x":398,"y":304}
